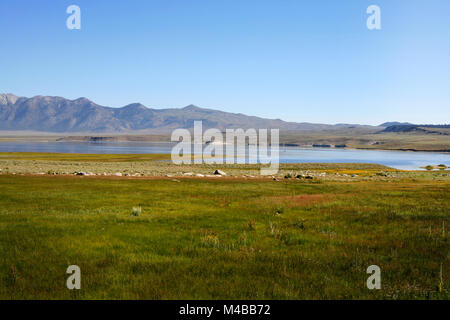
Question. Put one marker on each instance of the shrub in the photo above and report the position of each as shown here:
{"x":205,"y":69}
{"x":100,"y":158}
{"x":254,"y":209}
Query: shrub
{"x":299,"y":225}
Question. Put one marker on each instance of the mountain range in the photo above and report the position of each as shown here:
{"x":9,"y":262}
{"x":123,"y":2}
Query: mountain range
{"x":60,"y":115}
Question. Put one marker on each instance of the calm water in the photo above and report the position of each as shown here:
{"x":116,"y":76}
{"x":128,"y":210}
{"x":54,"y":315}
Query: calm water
{"x":395,"y":159}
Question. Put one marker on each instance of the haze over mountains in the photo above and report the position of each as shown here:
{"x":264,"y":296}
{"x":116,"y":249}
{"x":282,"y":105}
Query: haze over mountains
{"x":59,"y":115}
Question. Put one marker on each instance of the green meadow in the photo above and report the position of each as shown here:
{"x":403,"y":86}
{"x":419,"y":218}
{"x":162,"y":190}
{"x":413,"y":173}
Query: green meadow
{"x":223,"y":238}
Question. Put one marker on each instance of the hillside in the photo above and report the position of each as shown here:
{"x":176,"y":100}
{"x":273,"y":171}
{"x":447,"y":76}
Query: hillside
{"x":416,"y":128}
{"x":60,"y":115}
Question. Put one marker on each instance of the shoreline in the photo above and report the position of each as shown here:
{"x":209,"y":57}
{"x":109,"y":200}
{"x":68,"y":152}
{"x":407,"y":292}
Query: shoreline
{"x":151,"y":166}
{"x":281,"y":147}
{"x":405,"y":150}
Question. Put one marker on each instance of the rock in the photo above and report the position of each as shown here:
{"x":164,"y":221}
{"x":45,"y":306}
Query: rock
{"x":117,"y":174}
{"x":220,"y":173}
{"x":80,"y":173}
{"x":309,"y":177}
{"x":199,"y":175}
{"x":188,"y":174}
{"x":382,"y":174}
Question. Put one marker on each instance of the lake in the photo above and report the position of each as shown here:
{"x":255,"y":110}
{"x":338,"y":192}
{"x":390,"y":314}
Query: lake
{"x":397,"y":159}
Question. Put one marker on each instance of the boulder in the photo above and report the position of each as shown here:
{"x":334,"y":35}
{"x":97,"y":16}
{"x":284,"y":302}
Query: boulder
{"x":220,"y":173}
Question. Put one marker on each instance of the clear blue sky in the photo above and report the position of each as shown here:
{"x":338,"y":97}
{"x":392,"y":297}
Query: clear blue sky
{"x":312,"y":61}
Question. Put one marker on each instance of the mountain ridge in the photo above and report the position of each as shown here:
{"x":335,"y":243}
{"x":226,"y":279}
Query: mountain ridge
{"x":60,"y":115}
{"x":395,"y":123}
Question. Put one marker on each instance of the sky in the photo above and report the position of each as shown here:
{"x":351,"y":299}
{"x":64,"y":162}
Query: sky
{"x":303,"y":61}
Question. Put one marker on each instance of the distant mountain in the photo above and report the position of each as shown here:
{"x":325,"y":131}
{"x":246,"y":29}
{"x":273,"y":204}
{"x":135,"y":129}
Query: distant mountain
{"x":57,"y":114}
{"x":419,"y":128}
{"x":395,"y":123}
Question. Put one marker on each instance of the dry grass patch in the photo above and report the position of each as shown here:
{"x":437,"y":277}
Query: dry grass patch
{"x":300,"y":200}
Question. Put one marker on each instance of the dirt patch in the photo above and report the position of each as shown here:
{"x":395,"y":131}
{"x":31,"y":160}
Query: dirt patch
{"x":300,"y":200}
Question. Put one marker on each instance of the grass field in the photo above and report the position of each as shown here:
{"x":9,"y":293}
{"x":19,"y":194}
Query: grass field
{"x":224,"y":238}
